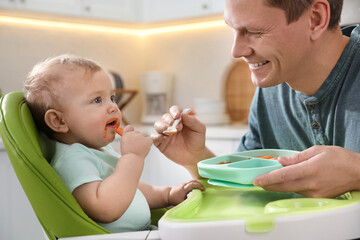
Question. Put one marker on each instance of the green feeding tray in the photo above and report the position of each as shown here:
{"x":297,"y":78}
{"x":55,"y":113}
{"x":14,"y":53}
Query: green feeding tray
{"x":253,"y":213}
{"x":240,"y":169}
{"x":242,"y":211}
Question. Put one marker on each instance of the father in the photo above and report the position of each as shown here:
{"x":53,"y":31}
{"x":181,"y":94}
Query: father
{"x":307,"y":71}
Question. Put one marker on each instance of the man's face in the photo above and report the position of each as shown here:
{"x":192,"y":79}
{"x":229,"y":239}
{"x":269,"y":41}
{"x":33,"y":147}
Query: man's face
{"x":273,"y":49}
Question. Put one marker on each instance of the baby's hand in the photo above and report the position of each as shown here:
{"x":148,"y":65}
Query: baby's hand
{"x":179,"y":192}
{"x":135,"y":142}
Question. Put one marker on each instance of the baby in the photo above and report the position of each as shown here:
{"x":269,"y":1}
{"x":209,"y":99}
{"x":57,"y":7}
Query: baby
{"x":72,"y":101}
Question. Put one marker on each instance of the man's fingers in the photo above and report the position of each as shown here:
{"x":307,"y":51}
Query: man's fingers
{"x":193,"y":123}
{"x":290,"y":186}
{"x":175,"y":111}
{"x":286,"y":174}
{"x":163,"y":124}
{"x":300,"y":157}
{"x":158,"y":139}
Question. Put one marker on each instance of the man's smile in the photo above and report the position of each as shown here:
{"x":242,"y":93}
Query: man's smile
{"x":257,"y":64}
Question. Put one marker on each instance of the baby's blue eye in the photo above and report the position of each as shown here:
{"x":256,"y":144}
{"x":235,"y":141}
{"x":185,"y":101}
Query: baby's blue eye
{"x":112,"y":98}
{"x":97,"y":100}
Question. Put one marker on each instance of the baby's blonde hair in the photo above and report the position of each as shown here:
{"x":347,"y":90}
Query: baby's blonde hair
{"x":42,"y":84}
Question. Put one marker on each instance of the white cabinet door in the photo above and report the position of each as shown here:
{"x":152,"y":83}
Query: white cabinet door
{"x":17,"y":218}
{"x":122,"y":10}
{"x":5,"y":196}
{"x":221,"y":146}
{"x":23,"y":221}
{"x":160,"y":171}
{"x":161,"y":10}
{"x":12,"y":4}
{"x":218,"y":6}
{"x":118,"y":10}
{"x":68,"y":7}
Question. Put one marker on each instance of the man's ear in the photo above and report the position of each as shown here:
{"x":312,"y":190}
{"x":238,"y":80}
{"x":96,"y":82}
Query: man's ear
{"x":319,"y":18}
{"x":54,"y":119}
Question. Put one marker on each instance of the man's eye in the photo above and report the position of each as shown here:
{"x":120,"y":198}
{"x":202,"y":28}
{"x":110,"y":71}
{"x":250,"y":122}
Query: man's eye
{"x":97,"y":100}
{"x":255,"y":33}
{"x":250,"y":32}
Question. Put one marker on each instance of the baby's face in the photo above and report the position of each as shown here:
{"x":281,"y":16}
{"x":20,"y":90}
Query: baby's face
{"x":89,"y":109}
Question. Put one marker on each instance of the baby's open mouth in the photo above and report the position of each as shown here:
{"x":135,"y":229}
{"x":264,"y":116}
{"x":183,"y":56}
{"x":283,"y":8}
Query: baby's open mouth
{"x":113,"y":122}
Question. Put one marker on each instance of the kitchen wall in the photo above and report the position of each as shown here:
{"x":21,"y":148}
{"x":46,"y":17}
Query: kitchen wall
{"x":22,"y":46}
{"x":196,"y":58}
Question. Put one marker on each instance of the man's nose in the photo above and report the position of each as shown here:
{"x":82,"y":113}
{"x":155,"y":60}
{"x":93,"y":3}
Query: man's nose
{"x":241,"y":46}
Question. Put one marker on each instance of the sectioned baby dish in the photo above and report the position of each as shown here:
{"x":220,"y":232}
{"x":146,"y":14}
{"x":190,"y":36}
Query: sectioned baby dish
{"x":240,"y":169}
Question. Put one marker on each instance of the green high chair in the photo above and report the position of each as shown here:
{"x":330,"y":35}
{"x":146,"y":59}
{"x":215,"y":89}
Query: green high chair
{"x":29,"y":152}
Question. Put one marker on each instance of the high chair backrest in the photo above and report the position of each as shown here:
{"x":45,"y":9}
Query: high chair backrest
{"x":57,"y":210}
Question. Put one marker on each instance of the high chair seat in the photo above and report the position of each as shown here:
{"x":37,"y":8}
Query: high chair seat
{"x":29,"y":152}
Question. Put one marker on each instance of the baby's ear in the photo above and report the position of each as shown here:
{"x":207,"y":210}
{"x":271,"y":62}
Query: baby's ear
{"x":54,"y":119}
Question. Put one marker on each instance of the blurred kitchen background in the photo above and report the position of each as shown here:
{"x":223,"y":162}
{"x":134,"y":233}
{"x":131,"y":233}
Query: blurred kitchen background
{"x":113,"y":34}
{"x":164,"y":52}
{"x":186,"y":39}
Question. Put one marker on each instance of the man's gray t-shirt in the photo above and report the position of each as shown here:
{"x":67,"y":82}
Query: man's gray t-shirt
{"x":282,"y":118}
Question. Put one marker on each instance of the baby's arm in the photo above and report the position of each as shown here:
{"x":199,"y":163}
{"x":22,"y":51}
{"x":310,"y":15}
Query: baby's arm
{"x":164,"y":196}
{"x":106,"y":201}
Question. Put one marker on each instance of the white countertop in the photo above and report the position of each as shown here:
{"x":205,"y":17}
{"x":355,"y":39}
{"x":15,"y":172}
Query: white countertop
{"x":231,"y":131}
{"x":228,"y":131}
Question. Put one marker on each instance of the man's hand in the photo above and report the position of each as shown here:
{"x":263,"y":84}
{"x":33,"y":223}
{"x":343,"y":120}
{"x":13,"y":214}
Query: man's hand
{"x":187,"y":146}
{"x":320,"y":171}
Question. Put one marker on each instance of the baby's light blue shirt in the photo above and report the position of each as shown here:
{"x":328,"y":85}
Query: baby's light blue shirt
{"x":77,"y":164}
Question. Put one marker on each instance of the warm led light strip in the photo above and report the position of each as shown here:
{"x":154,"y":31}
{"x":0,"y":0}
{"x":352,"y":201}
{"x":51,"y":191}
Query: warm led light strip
{"x":139,"y":32}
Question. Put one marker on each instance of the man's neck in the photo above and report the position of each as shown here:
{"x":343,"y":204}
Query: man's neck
{"x":325,"y":53}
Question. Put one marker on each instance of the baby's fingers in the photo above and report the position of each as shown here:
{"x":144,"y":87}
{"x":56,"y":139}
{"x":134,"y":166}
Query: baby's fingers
{"x":193,"y":185}
{"x":128,"y":128}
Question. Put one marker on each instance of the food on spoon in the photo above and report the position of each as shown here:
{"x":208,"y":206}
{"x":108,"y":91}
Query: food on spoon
{"x":172,"y":129}
{"x":170,"y":132}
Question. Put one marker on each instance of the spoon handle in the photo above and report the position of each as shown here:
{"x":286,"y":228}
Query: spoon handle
{"x":177,"y":121}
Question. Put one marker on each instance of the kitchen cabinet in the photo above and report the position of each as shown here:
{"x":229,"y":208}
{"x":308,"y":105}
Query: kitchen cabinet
{"x":163,"y":10}
{"x":68,"y":7}
{"x":17,"y":218}
{"x":118,"y":10}
{"x":137,"y":11}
